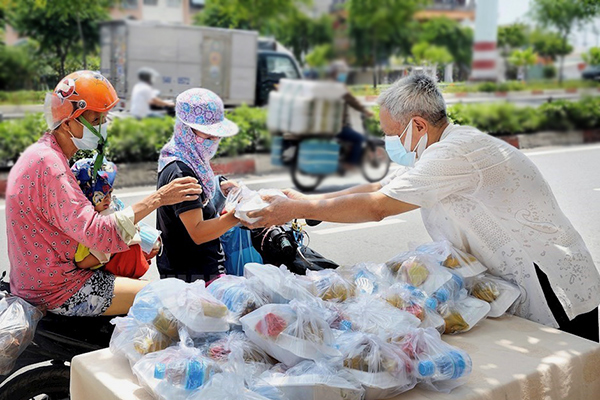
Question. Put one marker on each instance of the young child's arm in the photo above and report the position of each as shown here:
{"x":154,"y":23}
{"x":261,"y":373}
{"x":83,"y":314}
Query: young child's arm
{"x":89,"y":262}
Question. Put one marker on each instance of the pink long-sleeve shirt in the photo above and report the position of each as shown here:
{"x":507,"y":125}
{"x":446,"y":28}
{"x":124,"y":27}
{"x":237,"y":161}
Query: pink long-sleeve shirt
{"x":47,"y":215}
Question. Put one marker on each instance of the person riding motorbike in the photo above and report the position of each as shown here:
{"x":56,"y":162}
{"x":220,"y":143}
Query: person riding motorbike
{"x":48,"y":215}
{"x":144,"y":95}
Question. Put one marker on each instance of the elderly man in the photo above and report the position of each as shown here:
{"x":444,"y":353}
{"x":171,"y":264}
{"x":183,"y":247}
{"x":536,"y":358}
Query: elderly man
{"x":479,"y":193}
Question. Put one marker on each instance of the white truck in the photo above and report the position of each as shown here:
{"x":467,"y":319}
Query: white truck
{"x":235,"y":64}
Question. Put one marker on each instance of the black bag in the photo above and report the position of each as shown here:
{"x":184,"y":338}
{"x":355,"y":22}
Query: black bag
{"x":278,"y":246}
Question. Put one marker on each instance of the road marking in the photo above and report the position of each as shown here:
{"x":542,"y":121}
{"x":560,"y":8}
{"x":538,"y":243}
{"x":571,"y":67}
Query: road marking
{"x":353,"y":227}
{"x":563,"y":150}
{"x":597,"y":189}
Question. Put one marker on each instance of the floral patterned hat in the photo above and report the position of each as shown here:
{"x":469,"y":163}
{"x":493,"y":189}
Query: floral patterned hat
{"x":203,"y":110}
{"x":82,"y":169}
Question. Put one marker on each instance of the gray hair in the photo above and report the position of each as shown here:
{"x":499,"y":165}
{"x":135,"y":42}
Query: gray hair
{"x":417,"y":95}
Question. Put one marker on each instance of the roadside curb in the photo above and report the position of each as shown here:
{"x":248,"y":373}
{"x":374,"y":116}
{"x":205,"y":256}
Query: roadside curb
{"x":145,"y":174}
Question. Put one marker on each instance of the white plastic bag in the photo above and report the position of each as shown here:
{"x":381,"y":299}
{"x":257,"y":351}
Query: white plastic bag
{"x":229,"y":386}
{"x":410,"y":299}
{"x":499,"y":293}
{"x":173,"y":373}
{"x":245,"y":200}
{"x":290,"y":333}
{"x":371,"y":314}
{"x":382,"y":368}
{"x":314,"y":380}
{"x":463,"y":314}
{"x":368,"y":278}
{"x":437,"y":365}
{"x":179,"y":304}
{"x":18,"y":320}
{"x":134,"y":339}
{"x":450,"y":257}
{"x":240,"y":295}
{"x":419,"y":270}
{"x":281,"y":285}
{"x":328,"y":285}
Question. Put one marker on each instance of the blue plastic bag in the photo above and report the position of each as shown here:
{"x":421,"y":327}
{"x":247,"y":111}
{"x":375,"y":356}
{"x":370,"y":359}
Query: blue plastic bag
{"x":237,"y":245}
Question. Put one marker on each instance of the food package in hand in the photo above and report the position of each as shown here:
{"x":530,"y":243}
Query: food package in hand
{"x":291,"y":332}
{"x":496,"y":291}
{"x":463,"y":314}
{"x":372,"y":314}
{"x":330,"y":286}
{"x":173,"y":373}
{"x":240,"y":295}
{"x":368,"y":278}
{"x":420,"y":270}
{"x":437,"y":365}
{"x":281,"y":285}
{"x":134,"y":339}
{"x":314,"y":380}
{"x":229,"y":386}
{"x":382,"y":368}
{"x":449,"y":256}
{"x":244,"y":200}
{"x":172,"y":304}
{"x":18,"y":320}
{"x":415,"y":301}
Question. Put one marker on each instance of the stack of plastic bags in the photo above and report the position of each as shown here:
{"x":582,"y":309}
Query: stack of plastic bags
{"x":365,"y":331}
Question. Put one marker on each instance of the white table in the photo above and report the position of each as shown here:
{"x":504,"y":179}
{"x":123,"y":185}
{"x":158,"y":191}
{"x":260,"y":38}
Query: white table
{"x":512,"y":359}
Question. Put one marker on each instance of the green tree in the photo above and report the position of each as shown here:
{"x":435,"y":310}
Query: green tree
{"x":563,"y":16}
{"x":243,"y":14}
{"x":513,"y":36}
{"x":549,"y":44}
{"x":449,"y":34}
{"x":427,"y":54}
{"x":314,"y":32}
{"x":320,"y":56}
{"x":61,"y":27}
{"x":592,"y":57}
{"x":380,"y":26}
{"x":523,"y":59}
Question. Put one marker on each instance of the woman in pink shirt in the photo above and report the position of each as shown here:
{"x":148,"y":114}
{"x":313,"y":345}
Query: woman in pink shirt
{"x":47,"y":214}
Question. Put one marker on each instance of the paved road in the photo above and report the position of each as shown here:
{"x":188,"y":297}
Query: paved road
{"x":571,"y":172}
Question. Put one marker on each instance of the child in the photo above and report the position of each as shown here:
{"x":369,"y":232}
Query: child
{"x":100,"y":194}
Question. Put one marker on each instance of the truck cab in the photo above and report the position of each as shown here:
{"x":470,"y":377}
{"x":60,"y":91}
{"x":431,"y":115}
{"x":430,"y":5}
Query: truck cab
{"x":273,"y":66}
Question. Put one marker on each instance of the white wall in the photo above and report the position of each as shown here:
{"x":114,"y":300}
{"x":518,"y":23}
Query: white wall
{"x":164,"y":11}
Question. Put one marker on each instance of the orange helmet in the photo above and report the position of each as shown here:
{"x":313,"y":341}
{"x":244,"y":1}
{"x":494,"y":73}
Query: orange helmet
{"x":76,"y":93}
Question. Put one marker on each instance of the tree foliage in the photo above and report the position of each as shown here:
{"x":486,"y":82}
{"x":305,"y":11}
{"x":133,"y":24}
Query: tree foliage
{"x":592,"y":57}
{"x":314,"y":32}
{"x":513,"y":36}
{"x":426,"y":54}
{"x":549,"y":44}
{"x":61,"y":27}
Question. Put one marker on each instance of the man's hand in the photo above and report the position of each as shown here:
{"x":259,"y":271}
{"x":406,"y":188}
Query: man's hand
{"x":279,"y":211}
{"x":294,"y":194}
{"x":226,"y":186}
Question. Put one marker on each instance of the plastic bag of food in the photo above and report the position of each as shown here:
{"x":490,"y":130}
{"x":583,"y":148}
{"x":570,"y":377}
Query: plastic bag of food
{"x":170,"y":304}
{"x":291,"y":332}
{"x":314,"y":380}
{"x":410,"y":299}
{"x":281,"y":285}
{"x":134,"y":339}
{"x":463,"y":314}
{"x":368,"y":278}
{"x":496,"y":291}
{"x":173,"y":373}
{"x":452,"y":290}
{"x":330,"y":286}
{"x":437,"y":365}
{"x":420,"y":270}
{"x":450,"y":257}
{"x":236,"y":353}
{"x":382,"y":368}
{"x":229,"y":386}
{"x":245,"y":200}
{"x":240,"y":295}
{"x":18,"y":320}
{"x":371,"y":314}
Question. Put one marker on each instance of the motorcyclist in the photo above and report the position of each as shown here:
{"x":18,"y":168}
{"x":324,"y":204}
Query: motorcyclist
{"x":144,"y":95}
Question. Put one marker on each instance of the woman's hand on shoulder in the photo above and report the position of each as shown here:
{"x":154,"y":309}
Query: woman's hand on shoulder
{"x":178,"y":190}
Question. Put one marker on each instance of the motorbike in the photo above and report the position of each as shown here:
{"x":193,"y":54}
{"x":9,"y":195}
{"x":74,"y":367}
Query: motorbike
{"x":42,"y":371}
{"x":374,"y":163}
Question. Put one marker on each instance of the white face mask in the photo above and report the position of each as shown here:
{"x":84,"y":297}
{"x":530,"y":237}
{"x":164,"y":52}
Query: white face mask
{"x":90,"y":139}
